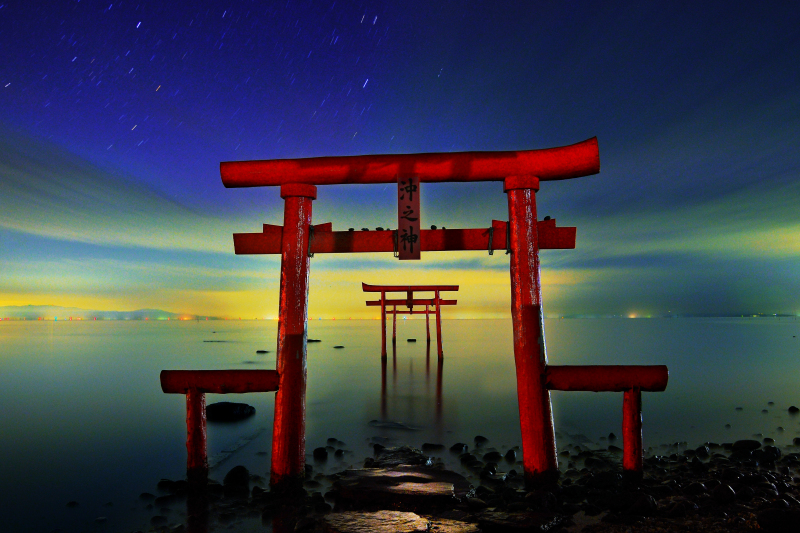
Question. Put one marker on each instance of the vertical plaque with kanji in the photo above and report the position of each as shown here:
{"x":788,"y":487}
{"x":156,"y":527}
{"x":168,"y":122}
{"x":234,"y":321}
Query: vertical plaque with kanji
{"x":408,"y":218}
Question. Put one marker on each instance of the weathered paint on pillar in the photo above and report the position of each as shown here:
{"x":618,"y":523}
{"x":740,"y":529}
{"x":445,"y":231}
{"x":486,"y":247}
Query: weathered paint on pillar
{"x":438,"y":326}
{"x":632,"y":432}
{"x":535,"y":412}
{"x":197,"y":462}
{"x":288,"y":440}
{"x":383,"y":325}
{"x":428,"y":322}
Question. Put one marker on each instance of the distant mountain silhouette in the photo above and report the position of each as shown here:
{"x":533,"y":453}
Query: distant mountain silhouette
{"x":51,"y":312}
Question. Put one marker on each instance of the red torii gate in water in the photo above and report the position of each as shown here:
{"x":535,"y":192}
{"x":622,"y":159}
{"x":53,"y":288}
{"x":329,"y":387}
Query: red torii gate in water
{"x":521,"y":173}
{"x":410,"y":302}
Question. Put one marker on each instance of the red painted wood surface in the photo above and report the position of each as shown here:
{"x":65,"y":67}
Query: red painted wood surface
{"x":407,"y":288}
{"x":288,"y":439}
{"x":438,"y":310}
{"x":632,"y":432}
{"x":607,"y":378}
{"x":535,"y":412}
{"x":438,"y":240}
{"x":197,"y":458}
{"x":564,"y":162}
{"x":383,"y":325}
{"x":415,"y":301}
{"x":219,"y":381}
{"x":428,"y":321}
{"x":394,"y":324}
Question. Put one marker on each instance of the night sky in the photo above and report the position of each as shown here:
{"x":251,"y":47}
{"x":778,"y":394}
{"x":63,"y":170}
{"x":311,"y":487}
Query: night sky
{"x":114,"y":117}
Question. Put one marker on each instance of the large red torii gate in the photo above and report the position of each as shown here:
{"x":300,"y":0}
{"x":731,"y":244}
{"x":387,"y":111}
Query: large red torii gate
{"x":436,"y":302}
{"x":522,"y":236}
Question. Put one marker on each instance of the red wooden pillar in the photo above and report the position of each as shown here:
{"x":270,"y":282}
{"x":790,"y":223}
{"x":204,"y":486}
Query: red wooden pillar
{"x":383,"y":325}
{"x":438,"y":308}
{"x":535,"y":412}
{"x":632,"y":432}
{"x":197,"y":462}
{"x":394,"y":324}
{"x":428,"y":322}
{"x":289,"y":440}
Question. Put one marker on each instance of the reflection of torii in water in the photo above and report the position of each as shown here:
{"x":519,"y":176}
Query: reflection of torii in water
{"x":431,"y":305}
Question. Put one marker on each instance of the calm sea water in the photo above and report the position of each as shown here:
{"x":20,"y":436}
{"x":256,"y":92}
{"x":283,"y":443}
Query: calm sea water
{"x":83,"y":417}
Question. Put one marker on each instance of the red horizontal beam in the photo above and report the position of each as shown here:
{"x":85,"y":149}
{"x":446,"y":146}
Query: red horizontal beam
{"x":607,"y":378}
{"x":438,"y":240}
{"x":407,"y":288}
{"x":563,"y":162}
{"x":422,"y":301}
{"x":219,"y":381}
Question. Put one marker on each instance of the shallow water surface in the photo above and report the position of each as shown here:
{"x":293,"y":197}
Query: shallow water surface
{"x":84,"y":418}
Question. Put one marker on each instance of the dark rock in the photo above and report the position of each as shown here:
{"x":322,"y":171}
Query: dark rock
{"x":237,"y":476}
{"x":402,"y":455}
{"x":411,"y":340}
{"x":723,"y":494}
{"x":476,"y":504}
{"x":229,"y":411}
{"x":511,"y":456}
{"x":793,"y":410}
{"x":693,"y":489}
{"x":643,"y":505}
{"x":460,"y":447}
{"x":611,"y":436}
{"x":430,"y":447}
{"x":497,"y":521}
{"x":320,"y":454}
{"x":780,"y":520}
{"x":146,"y":496}
{"x":480,"y":440}
{"x":262,"y":351}
{"x":338,"y":347}
{"x":313,"y":340}
{"x":492,"y":457}
{"x":541,"y":500}
{"x":746,"y":445}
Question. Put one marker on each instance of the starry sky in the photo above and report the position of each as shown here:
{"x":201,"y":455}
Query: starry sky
{"x":114,"y":117}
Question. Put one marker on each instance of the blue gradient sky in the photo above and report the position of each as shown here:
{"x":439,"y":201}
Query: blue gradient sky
{"x":114,"y":117}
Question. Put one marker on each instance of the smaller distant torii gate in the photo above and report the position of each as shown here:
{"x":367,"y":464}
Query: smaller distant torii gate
{"x":431,"y":305}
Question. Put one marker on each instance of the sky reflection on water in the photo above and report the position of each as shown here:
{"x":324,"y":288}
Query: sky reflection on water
{"x":85,"y":418}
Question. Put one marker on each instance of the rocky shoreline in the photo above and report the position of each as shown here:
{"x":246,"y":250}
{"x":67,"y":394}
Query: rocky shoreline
{"x":741,"y":486}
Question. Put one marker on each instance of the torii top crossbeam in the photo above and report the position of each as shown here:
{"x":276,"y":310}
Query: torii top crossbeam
{"x":563,"y":162}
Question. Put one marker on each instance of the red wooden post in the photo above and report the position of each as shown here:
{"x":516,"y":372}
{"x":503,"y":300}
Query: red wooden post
{"x":632,"y":432}
{"x":428,"y":322}
{"x":197,"y":462}
{"x":535,"y":412}
{"x":394,"y":324}
{"x":288,"y":440}
{"x":437,"y":304}
{"x":383,"y":325}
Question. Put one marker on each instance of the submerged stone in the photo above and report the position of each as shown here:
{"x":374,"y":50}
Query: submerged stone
{"x":404,"y":487}
{"x":393,"y":522}
{"x":229,"y":411}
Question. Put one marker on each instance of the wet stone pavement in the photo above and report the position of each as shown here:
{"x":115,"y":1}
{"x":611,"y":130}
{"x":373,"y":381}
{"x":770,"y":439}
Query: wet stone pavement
{"x":748,"y":485}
